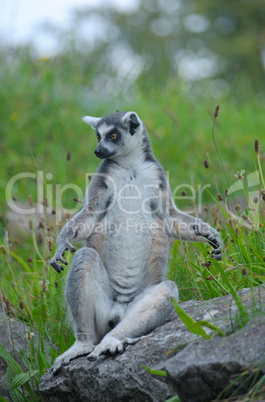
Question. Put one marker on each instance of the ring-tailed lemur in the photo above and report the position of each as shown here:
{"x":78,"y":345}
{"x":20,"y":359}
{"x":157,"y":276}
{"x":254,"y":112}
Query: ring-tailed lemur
{"x":116,"y":289}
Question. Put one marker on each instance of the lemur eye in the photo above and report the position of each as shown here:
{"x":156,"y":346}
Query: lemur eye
{"x":98,"y":138}
{"x":113,"y":136}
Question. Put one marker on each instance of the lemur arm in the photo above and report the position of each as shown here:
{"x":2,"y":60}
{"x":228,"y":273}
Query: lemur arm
{"x":185,"y":227}
{"x":81,"y":226}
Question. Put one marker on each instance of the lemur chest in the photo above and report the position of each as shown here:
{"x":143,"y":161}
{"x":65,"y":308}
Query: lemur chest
{"x":134,"y":191}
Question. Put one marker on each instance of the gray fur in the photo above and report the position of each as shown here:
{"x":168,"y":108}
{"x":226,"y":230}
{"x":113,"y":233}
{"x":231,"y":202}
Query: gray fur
{"x":116,"y":289}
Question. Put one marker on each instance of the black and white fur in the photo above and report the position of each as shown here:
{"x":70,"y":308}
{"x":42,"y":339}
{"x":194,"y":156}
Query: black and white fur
{"x":116,"y":289}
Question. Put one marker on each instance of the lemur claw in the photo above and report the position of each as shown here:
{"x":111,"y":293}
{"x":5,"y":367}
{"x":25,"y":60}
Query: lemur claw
{"x":214,"y":241}
{"x":59,"y":256}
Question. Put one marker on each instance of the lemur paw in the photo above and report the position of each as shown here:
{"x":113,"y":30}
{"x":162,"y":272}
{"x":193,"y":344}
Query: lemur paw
{"x":213,"y":238}
{"x":112,"y":346}
{"x":77,"y":350}
{"x":62,"y":247}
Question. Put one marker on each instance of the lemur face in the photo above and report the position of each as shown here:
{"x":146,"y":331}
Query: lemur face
{"x":118,"y":134}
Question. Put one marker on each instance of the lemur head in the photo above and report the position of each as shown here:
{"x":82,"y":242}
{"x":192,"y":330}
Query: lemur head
{"x":118,"y":134}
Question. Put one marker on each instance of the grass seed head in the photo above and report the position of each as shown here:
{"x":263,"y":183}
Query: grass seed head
{"x":206,"y":164}
{"x":8,"y":306}
{"x":216,"y":112}
{"x":256,"y":146}
{"x":41,"y":225}
{"x":30,"y":201}
{"x":21,"y":305}
{"x":3,"y":249}
{"x":256,"y":200}
{"x":220,"y":197}
{"x":244,"y":271}
{"x":209,"y":278}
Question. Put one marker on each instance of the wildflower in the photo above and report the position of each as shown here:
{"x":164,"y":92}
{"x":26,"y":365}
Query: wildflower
{"x":29,"y":259}
{"x":239,"y":174}
{"x":244,"y":271}
{"x":206,"y":164}
{"x":183,"y":193}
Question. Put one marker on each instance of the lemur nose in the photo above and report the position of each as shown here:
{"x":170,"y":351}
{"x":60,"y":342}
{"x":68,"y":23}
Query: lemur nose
{"x":97,"y":153}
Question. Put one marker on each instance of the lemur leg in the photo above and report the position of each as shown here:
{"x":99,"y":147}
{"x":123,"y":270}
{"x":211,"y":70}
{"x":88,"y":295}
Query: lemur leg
{"x":89,"y":298}
{"x":148,"y":311}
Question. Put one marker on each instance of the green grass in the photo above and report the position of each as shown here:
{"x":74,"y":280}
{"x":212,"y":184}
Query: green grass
{"x":41,"y":105}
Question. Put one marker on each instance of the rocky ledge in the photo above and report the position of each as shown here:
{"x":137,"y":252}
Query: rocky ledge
{"x":197,"y":369}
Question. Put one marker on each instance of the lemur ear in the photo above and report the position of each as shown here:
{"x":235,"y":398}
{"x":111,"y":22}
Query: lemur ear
{"x":132,"y":121}
{"x":92,"y":121}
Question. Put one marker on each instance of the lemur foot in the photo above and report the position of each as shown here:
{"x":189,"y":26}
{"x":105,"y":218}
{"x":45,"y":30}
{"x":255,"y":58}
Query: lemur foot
{"x":213,"y":239}
{"x":112,"y":346}
{"x":77,"y":350}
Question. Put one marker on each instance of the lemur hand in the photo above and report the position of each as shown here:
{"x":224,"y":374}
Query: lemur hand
{"x":212,"y":237}
{"x":62,"y":246}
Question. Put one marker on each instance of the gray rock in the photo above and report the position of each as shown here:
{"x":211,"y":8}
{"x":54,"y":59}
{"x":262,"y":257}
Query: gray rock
{"x":123,"y":377}
{"x":204,"y":370}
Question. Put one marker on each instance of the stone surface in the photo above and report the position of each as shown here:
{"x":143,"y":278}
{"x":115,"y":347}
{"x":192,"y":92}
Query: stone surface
{"x":123,"y":377}
{"x":204,"y":369}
